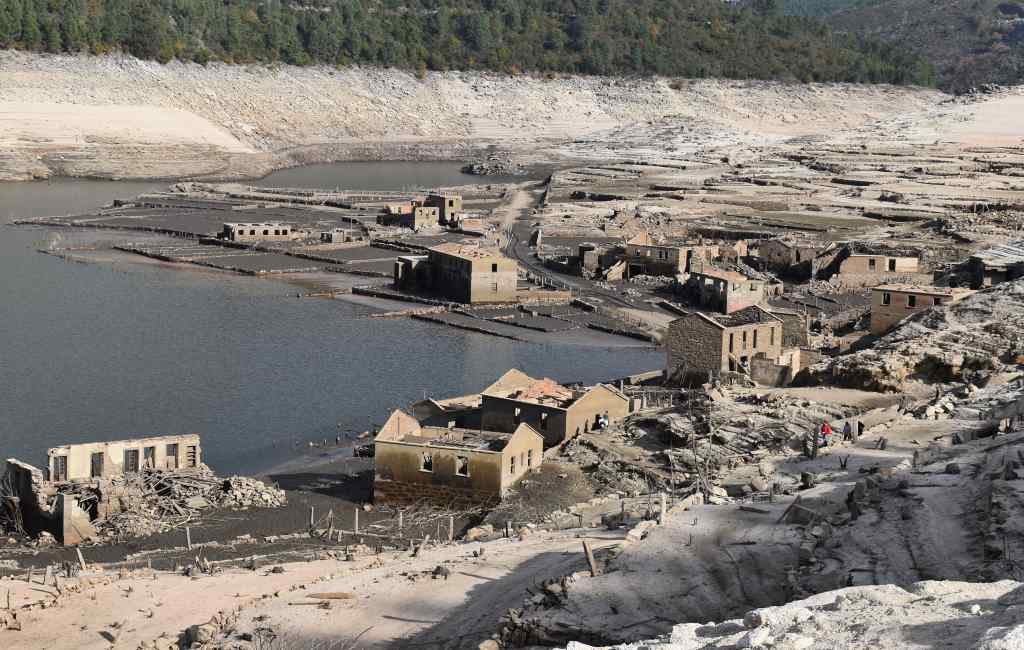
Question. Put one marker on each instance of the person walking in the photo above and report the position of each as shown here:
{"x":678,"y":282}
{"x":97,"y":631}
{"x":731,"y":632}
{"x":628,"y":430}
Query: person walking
{"x":847,"y":432}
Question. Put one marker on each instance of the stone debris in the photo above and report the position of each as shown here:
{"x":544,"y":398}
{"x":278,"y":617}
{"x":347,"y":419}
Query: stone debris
{"x":934,"y":613}
{"x":155,"y":501}
{"x":976,"y":337}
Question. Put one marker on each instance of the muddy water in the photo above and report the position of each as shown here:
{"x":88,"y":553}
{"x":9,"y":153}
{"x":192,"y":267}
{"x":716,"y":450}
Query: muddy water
{"x":106,"y":351}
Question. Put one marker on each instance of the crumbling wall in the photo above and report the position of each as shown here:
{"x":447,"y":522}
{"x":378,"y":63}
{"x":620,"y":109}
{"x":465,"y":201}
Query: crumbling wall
{"x":30,"y":493}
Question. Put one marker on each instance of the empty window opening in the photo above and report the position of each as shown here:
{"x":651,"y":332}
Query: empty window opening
{"x":731,"y":341}
{"x":172,"y":456}
{"x":149,"y":457}
{"x":744,"y":340}
{"x":60,"y":468}
{"x":462,"y":466}
{"x":494,"y":268}
{"x":529,"y":458}
{"x":96,"y":465}
{"x":512,"y":465}
{"x":937,"y":301}
{"x":284,"y":232}
{"x":544,"y":421}
{"x":427,"y":462}
{"x":911,"y":301}
{"x":771,"y":337}
{"x":192,"y":456}
{"x":887,"y":299}
{"x":892,"y":265}
{"x":755,"y":338}
{"x":131,"y":461}
{"x":871,"y":264}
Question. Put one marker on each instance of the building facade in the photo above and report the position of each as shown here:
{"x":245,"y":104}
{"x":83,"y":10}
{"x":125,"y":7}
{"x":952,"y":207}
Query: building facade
{"x":702,"y":345}
{"x":789,"y":257}
{"x":645,"y":257}
{"x":891,"y":303}
{"x":448,"y":205}
{"x":460,"y":273}
{"x":105,"y":459}
{"x":450,"y":465}
{"x":256,"y":232}
{"x":727,"y":291}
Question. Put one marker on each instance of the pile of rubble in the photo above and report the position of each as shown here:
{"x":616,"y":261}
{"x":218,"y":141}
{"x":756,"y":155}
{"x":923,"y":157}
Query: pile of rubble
{"x":156,"y":501}
{"x":243,"y":492}
{"x":969,"y":340}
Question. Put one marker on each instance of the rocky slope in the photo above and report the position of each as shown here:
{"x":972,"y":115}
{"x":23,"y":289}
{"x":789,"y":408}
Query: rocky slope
{"x":924,"y":615}
{"x":116,"y":116}
{"x":978,"y":335}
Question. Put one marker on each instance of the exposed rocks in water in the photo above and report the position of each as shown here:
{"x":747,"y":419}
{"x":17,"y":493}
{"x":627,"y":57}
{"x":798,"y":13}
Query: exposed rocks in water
{"x":495,"y":165}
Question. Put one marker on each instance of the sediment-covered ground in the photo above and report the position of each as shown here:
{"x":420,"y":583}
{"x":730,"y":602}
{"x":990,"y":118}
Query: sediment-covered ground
{"x":115,"y":116}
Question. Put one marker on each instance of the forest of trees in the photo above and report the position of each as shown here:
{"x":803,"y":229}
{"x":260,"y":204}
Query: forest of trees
{"x":684,"y":38}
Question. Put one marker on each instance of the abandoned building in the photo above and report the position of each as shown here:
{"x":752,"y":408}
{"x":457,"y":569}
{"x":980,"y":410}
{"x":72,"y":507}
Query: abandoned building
{"x":731,"y":290}
{"x":733,"y":252}
{"x":866,"y":263}
{"x":789,"y":256}
{"x":449,"y":206}
{"x":996,"y":265}
{"x":748,"y":341}
{"x":461,"y":273}
{"x":450,"y":465}
{"x":105,"y":459}
{"x":256,"y":232}
{"x":646,"y":257}
{"x":417,"y":217}
{"x":559,"y":413}
{"x":891,"y":303}
{"x":340,"y":236}
{"x":85,"y":482}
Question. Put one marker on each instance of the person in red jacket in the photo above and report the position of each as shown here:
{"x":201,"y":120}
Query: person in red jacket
{"x":825,"y":435}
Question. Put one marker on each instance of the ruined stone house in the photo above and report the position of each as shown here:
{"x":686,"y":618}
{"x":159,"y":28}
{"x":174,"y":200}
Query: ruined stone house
{"x":450,"y":465}
{"x":559,"y":413}
{"x":105,"y":459}
{"x":449,"y":206}
{"x":461,"y":273}
{"x":702,"y":346}
{"x":789,"y":256}
{"x":417,"y":217}
{"x":867,"y":264}
{"x":892,"y":303}
{"x":728,"y":290}
{"x":643,"y":256}
{"x":84,"y":482}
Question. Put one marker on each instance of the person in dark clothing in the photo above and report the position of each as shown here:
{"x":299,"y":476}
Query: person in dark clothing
{"x":847,"y":432}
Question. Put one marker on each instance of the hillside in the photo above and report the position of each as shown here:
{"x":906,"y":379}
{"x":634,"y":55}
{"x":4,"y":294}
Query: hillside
{"x":119,"y":116}
{"x":969,"y":42}
{"x":686,"y":38}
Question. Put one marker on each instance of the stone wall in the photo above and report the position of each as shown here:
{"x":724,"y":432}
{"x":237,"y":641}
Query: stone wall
{"x":693,"y":345}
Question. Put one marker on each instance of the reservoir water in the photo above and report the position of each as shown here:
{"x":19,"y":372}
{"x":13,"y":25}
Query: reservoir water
{"x":108,"y":351}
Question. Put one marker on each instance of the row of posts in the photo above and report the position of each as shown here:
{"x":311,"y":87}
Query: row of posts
{"x":355,"y":523}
